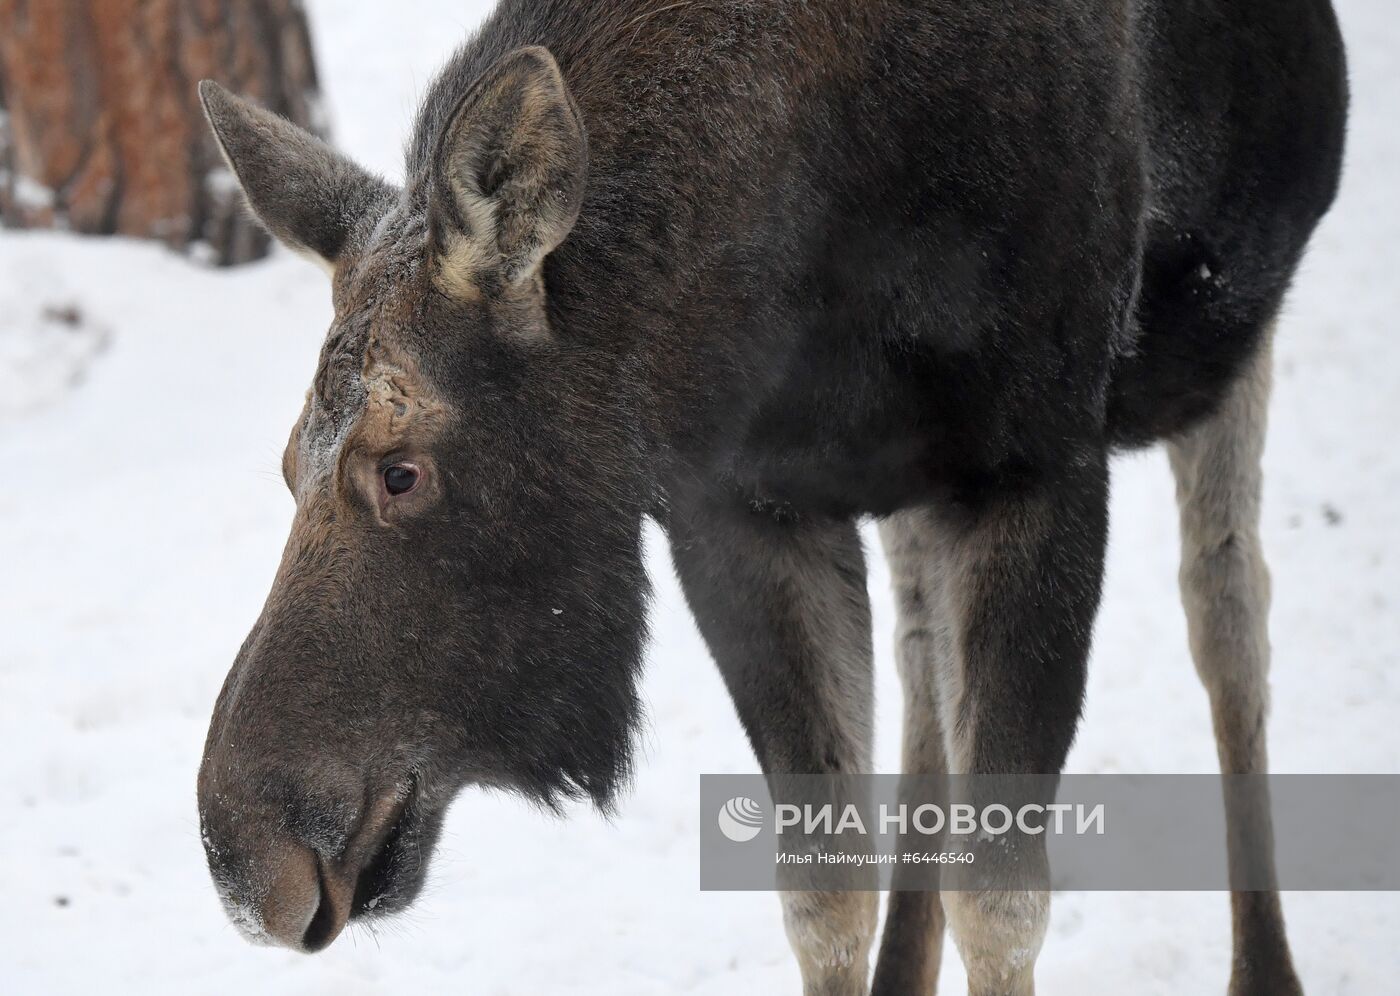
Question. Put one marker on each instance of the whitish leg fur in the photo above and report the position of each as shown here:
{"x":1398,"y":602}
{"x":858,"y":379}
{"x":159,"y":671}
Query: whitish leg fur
{"x":911,"y":948}
{"x":1225,"y":590}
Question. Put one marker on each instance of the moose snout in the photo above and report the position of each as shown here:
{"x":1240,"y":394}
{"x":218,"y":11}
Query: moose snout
{"x":291,"y":865}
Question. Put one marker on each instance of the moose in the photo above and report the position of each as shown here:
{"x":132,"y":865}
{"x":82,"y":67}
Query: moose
{"x":760,"y":272}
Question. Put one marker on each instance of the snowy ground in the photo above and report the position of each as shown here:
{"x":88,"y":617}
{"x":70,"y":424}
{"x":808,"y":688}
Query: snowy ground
{"x":144,"y":515}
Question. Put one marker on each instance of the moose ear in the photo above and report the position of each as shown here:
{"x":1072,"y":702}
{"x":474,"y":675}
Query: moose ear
{"x":306,"y":194}
{"x":508,"y":174}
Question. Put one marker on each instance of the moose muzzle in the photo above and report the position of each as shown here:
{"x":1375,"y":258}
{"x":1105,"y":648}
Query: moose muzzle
{"x":292,"y":863}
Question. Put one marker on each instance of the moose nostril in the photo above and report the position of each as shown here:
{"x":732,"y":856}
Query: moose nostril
{"x":297,"y":910}
{"x":331,"y":914}
{"x":339,"y":881}
{"x":324,"y":925}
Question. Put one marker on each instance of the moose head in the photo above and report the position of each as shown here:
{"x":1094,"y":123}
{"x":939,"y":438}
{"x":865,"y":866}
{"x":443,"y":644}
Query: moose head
{"x":461,"y":599}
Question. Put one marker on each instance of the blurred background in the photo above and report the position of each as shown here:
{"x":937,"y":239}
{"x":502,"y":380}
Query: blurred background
{"x":154,"y":351}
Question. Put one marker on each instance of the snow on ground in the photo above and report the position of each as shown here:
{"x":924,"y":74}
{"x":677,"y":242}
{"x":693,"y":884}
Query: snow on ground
{"x":143,"y":517}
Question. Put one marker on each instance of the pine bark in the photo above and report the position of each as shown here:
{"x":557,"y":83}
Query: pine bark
{"x":101,"y":130}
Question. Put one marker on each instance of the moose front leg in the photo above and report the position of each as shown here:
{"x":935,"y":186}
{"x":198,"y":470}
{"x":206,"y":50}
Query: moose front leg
{"x":782,"y":604}
{"x":1023,"y":573}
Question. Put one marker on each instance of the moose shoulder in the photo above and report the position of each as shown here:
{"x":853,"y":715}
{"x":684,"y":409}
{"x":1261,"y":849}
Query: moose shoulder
{"x":757,"y":271}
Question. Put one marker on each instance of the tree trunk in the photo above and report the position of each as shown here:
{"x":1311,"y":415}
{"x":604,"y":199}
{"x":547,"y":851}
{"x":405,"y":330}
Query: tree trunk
{"x":101,"y":129}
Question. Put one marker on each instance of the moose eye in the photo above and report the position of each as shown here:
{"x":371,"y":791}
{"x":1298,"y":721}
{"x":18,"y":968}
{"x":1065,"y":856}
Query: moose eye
{"x":401,"y":478}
